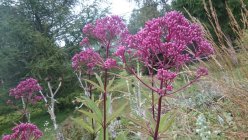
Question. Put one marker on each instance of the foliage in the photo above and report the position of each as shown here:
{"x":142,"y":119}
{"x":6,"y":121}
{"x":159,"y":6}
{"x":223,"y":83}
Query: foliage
{"x":196,"y":9}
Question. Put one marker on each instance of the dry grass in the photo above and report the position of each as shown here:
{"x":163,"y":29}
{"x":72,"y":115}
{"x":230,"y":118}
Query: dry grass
{"x":228,"y":80}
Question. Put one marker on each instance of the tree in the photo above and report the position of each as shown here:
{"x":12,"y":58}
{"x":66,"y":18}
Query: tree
{"x":196,"y":9}
{"x":140,"y":16}
{"x":30,"y":35}
{"x":148,"y":9}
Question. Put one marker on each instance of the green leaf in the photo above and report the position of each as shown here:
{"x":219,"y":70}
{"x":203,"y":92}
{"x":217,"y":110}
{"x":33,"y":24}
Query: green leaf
{"x":121,"y":136}
{"x":99,"y":80}
{"x":91,"y":115}
{"x":116,"y":113}
{"x":86,"y":126}
{"x":101,"y":88}
{"x":139,"y":122}
{"x":108,"y":104}
{"x":151,"y":119}
{"x":110,"y":83}
{"x":93,"y":106}
{"x":166,"y":121}
{"x":100,"y":135}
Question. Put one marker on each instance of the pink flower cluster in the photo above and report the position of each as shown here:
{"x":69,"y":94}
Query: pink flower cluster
{"x":88,"y":58}
{"x":164,"y":44}
{"x":106,"y":29}
{"x":110,"y":63}
{"x":24,"y":131}
{"x":201,"y":71}
{"x":165,"y":75}
{"x":165,"y":41}
{"x":85,"y":41}
{"x":26,"y":89}
{"x":120,"y":52}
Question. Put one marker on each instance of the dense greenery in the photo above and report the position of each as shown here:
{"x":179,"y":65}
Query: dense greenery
{"x":38,"y":38}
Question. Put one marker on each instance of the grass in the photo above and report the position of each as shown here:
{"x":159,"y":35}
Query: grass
{"x":38,"y":117}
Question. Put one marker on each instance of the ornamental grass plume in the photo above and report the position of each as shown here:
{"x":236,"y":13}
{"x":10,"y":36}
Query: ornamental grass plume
{"x":164,"y":45}
{"x":24,"y":131}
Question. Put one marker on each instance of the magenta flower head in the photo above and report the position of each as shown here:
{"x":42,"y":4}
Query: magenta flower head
{"x":110,"y":63}
{"x":106,"y":29}
{"x":166,"y":43}
{"x":26,"y":89}
{"x":24,"y":131}
{"x":85,"y":42}
{"x":88,"y":59}
{"x":165,"y":75}
{"x":201,"y":71}
{"x":120,"y":52}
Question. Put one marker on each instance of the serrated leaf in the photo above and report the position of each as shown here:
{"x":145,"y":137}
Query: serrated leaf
{"x":91,"y":115}
{"x":166,"y":121}
{"x":116,"y":113}
{"x":121,"y":136}
{"x":117,"y":86}
{"x":110,"y":83}
{"x":136,"y":129}
{"x":139,"y":122}
{"x":151,"y":119}
{"x":108,"y":104}
{"x":93,"y":106}
{"x":95,"y":84}
{"x":100,"y":135}
{"x":86,"y":126}
{"x":98,"y":78}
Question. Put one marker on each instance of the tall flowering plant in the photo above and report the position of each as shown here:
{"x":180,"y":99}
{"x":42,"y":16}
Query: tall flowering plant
{"x":85,"y":62}
{"x":163,"y":47}
{"x":30,"y":92}
{"x":24,"y":131}
{"x":109,"y":32}
{"x":26,"y":91}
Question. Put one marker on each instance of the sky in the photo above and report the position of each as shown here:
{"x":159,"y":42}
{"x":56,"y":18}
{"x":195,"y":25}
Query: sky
{"x":122,"y":8}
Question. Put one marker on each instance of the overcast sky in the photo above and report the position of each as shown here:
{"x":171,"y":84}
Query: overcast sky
{"x":122,"y":8}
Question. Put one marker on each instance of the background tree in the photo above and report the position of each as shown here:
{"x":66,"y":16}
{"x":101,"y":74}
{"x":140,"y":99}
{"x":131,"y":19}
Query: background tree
{"x":196,"y":9}
{"x":148,"y":9}
{"x":38,"y":39}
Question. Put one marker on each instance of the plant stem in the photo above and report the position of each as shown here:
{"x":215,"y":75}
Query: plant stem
{"x":153,"y":110}
{"x":155,"y":137}
{"x":105,"y":95}
{"x":92,"y":120}
{"x":104,"y":104}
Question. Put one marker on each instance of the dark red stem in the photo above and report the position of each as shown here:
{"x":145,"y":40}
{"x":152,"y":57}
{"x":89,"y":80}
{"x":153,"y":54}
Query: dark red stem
{"x":155,"y":137}
{"x":105,"y":95}
{"x":153,"y":110}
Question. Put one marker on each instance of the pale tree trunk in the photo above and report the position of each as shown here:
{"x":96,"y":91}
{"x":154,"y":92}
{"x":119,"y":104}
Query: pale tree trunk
{"x":51,"y":111}
{"x":26,"y":113}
